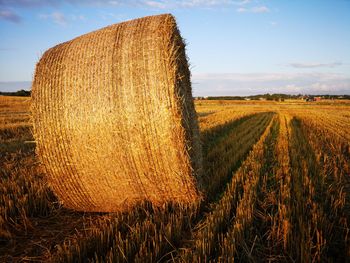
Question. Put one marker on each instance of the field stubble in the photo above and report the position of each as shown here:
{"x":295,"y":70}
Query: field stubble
{"x":277,"y":184}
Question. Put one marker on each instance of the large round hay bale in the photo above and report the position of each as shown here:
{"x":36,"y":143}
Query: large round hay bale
{"x":114,"y":118}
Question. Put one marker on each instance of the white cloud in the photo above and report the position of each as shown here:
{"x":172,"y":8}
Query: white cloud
{"x":56,"y":17}
{"x":254,"y":9}
{"x":59,"y":18}
{"x":15,"y":85}
{"x":315,"y":65}
{"x":320,"y":86}
{"x":9,"y":15}
{"x":292,"y":88}
{"x":114,"y":2}
{"x":241,"y":10}
{"x":248,"y":77}
{"x":155,"y":4}
{"x":62,"y":19}
{"x":258,"y":83}
{"x":113,"y":16}
{"x":159,"y":4}
{"x":243,"y":2}
{"x":78,"y":17}
{"x":167,"y":4}
{"x":26,"y":3}
{"x":260,"y":9}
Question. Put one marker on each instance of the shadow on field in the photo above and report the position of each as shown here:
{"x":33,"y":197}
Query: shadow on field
{"x":226,"y":146}
{"x":14,"y":139}
{"x":317,"y":205}
{"x":36,"y":228}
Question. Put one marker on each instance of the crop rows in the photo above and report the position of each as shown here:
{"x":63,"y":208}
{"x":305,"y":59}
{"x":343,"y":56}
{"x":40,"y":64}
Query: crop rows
{"x":161,"y":232}
{"x":235,"y":203}
{"x":277,"y":189}
{"x":331,"y":156}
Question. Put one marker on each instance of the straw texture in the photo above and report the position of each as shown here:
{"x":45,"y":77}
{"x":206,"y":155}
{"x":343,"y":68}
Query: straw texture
{"x":114,"y":118}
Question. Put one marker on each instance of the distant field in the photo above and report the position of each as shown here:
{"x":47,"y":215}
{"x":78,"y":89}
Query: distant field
{"x":277,"y":184}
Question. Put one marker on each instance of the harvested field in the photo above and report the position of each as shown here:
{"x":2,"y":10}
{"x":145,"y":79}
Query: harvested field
{"x":277,"y":178}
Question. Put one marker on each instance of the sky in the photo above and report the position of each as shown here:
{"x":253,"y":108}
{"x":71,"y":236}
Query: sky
{"x":235,"y":47}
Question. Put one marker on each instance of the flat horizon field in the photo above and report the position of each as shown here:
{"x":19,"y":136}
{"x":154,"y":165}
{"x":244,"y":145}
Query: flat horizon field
{"x":277,"y":189}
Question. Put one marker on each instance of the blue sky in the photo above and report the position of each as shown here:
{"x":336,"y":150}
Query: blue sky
{"x":235,"y":47}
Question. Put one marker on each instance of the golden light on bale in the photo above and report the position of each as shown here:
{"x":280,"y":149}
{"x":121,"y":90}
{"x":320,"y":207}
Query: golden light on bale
{"x":114,"y":118}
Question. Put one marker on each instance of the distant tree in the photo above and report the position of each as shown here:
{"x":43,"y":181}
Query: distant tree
{"x":20,"y":93}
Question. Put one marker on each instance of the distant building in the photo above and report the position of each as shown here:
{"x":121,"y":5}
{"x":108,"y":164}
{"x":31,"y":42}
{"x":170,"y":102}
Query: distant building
{"x":311,"y":98}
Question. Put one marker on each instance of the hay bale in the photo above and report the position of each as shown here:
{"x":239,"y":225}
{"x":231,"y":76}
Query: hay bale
{"x":114,"y":118}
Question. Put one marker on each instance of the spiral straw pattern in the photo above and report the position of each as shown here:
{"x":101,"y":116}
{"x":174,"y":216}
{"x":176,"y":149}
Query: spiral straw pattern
{"x":114,"y":119}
